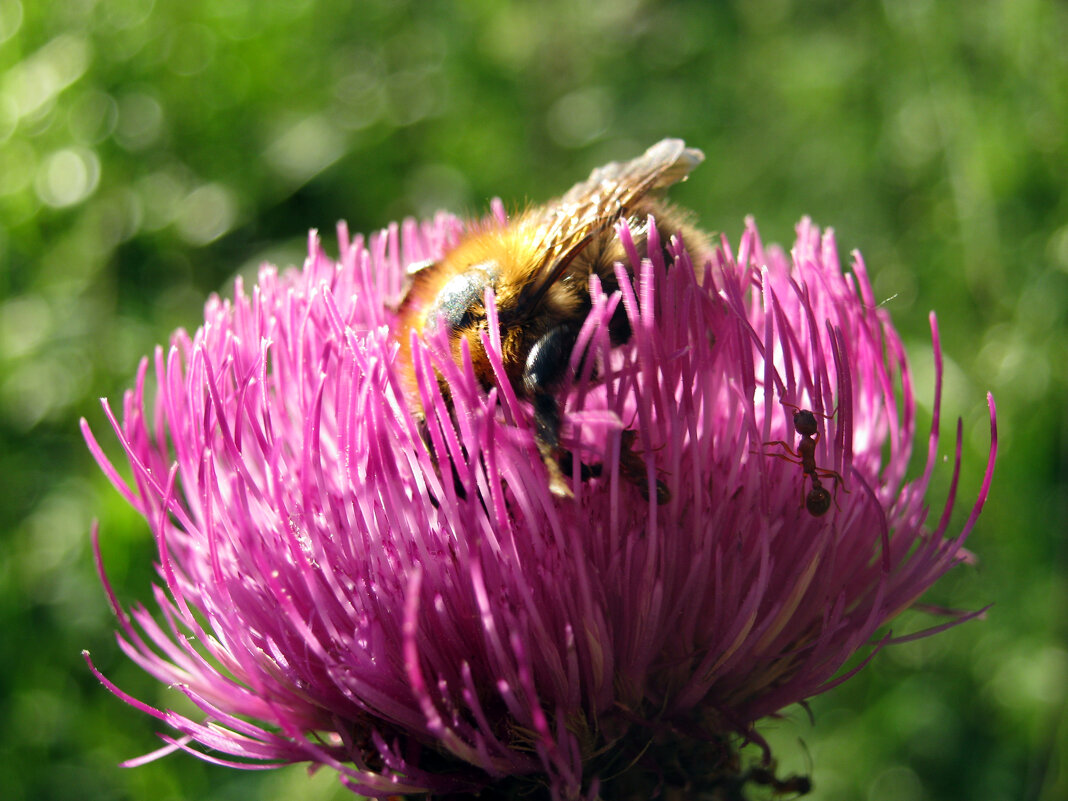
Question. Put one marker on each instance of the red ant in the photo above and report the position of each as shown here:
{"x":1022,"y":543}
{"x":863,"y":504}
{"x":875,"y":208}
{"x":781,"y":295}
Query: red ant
{"x":818,"y":500}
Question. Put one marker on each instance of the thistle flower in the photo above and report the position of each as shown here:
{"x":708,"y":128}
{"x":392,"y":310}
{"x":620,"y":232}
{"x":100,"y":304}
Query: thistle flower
{"x":404,"y":600}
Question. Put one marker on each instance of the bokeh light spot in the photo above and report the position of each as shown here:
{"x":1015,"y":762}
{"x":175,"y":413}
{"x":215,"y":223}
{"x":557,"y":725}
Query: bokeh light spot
{"x":1032,"y":678}
{"x":436,"y":187}
{"x":34,"y":390}
{"x":25,"y":322}
{"x":1057,"y":248}
{"x":206,"y":214}
{"x":126,"y":14}
{"x":414,"y":95}
{"x":140,"y":120}
{"x":10,"y":18}
{"x":899,"y":783}
{"x":305,"y":149}
{"x":192,"y":49}
{"x":67,"y":177}
{"x":35,"y":82}
{"x":160,"y":193}
{"x":18,"y":162}
{"x":93,"y":116}
{"x":580,"y":117}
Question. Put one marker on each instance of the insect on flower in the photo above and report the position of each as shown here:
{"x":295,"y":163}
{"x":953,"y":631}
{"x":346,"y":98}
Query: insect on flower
{"x":818,"y":500}
{"x":538,"y":266}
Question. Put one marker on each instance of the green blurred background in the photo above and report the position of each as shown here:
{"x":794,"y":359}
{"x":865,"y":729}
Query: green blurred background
{"x":150,"y":150}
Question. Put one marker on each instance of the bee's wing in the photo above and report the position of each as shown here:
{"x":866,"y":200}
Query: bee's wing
{"x":609,"y":193}
{"x":567,"y":224}
{"x":621,"y":183}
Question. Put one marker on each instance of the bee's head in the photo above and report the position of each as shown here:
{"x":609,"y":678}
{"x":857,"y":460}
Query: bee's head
{"x":459,"y":307}
{"x":460,"y":303}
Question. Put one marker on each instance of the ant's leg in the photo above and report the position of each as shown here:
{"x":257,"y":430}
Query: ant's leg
{"x":838,"y":481}
{"x":785,"y":446}
{"x":782,"y":456}
{"x":837,"y":477}
{"x":818,"y":414}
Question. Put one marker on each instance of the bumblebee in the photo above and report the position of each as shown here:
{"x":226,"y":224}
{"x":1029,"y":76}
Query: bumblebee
{"x":538,"y":265}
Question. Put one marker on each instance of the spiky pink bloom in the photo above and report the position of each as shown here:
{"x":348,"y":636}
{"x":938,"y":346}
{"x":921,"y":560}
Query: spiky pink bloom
{"x":408,"y":604}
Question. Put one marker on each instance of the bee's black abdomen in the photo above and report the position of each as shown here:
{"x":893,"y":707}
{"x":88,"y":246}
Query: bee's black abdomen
{"x":548,"y":358}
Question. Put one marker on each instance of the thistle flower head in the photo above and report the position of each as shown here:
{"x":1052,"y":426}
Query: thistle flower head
{"x":382,"y":584}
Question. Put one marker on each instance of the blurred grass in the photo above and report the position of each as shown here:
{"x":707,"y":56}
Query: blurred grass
{"x":149,"y":150}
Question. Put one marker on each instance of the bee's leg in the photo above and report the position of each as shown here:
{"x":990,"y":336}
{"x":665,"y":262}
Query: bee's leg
{"x":547,"y":436}
{"x":428,"y":443}
{"x":545,"y":367}
{"x":542,"y":373}
{"x":586,"y":471}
